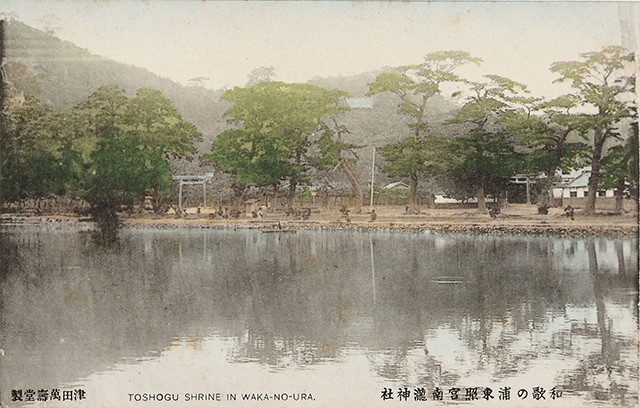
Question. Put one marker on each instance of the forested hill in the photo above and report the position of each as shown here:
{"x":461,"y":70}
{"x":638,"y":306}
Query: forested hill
{"x":62,"y":74}
{"x":357,"y":85}
{"x":66,"y":74}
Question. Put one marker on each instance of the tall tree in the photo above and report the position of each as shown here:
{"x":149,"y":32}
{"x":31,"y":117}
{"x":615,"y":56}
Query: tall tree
{"x":620,"y":168}
{"x":276,"y":120}
{"x":414,"y":85}
{"x":605,"y":86}
{"x":260,"y":76}
{"x":123,"y":143}
{"x":500,"y":112}
{"x":332,"y":148}
{"x":35,"y":160}
{"x":554,"y":130}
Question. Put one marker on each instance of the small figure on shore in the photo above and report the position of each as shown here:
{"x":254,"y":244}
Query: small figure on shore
{"x":373,"y":215}
{"x":569,"y":212}
{"x":345,"y":213}
{"x":494,"y":209}
{"x":543,"y":208}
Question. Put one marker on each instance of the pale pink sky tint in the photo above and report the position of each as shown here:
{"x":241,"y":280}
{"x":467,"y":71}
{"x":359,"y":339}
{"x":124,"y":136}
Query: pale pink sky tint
{"x":224,"y":41}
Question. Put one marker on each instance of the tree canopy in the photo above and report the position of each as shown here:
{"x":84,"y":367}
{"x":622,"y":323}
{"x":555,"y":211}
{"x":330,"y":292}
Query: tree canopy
{"x":108,"y":149}
{"x":332,"y":148}
{"x":605,"y":87}
{"x":276,"y":119}
{"x":415,"y":85}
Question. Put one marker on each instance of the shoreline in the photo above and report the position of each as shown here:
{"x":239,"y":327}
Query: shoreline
{"x":517,"y":221}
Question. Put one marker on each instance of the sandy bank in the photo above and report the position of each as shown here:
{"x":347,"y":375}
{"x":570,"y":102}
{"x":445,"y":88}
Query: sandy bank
{"x":514,"y":219}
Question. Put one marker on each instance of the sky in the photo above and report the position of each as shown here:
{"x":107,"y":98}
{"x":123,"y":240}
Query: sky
{"x":224,"y":41}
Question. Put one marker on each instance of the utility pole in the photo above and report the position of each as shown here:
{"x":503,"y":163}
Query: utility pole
{"x":373,"y":162}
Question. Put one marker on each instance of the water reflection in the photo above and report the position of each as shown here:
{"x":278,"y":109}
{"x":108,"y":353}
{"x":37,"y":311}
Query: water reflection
{"x":338,"y":314}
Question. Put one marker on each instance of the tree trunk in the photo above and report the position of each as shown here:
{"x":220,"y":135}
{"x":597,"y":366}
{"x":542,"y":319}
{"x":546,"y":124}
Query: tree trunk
{"x":598,"y":289}
{"x":275,"y":197}
{"x":425,"y":98}
{"x":413,"y":192}
{"x":620,"y":195}
{"x":482,"y":206}
{"x":238,"y":197}
{"x":622,"y":270}
{"x":357,"y":191}
{"x":596,"y":163}
{"x":555,"y":163}
{"x":155,"y":199}
{"x":293,"y":184}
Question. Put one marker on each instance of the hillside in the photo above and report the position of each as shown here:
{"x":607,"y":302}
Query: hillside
{"x":66,"y":74}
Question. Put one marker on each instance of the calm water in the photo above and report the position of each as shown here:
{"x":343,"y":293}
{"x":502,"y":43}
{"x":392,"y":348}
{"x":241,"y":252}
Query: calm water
{"x":336,"y":316}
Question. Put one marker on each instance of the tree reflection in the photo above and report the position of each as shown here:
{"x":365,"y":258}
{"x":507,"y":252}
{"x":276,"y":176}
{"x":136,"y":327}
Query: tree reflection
{"x":608,"y":375}
{"x":512,"y":289}
{"x":10,"y":265}
{"x":297,"y":300}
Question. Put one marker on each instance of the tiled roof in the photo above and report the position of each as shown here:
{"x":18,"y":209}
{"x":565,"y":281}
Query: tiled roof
{"x":577,"y":178}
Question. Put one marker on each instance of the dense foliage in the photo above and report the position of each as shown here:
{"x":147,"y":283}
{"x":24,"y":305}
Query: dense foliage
{"x":109,"y":149}
{"x":276,"y":119}
{"x":414,"y":85}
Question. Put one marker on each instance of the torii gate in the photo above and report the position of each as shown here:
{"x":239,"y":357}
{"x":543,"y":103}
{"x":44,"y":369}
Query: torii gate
{"x":193,"y":180}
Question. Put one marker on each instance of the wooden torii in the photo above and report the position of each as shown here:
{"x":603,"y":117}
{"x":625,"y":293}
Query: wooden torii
{"x":193,"y":179}
{"x":528,"y":180}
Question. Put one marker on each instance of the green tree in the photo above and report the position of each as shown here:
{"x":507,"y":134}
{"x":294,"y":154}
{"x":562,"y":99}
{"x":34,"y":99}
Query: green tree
{"x":115,"y":177}
{"x":160,"y":131}
{"x":332,"y":148}
{"x":35,"y":160}
{"x":486,"y":162}
{"x":548,"y":133}
{"x":276,"y":120}
{"x":545,"y":138}
{"x":146,"y":128}
{"x":621,"y":167}
{"x":414,"y":156}
{"x":414,"y":85}
{"x":500,"y":112}
{"x":605,"y":87}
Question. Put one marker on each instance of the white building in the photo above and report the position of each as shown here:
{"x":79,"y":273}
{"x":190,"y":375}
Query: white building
{"x":442,"y":198}
{"x":576,"y":185}
{"x":398,"y":185}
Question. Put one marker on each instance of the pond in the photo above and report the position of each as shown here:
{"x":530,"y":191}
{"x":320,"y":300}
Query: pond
{"x":318,"y":318}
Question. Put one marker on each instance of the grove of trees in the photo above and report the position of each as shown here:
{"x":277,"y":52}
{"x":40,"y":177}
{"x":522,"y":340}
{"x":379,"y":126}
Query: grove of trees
{"x":511,"y":132}
{"x":109,"y":150}
{"x":276,"y":119}
{"x":112,"y":150}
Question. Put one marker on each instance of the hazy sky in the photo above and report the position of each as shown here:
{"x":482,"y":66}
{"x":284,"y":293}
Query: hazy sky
{"x":224,"y":41}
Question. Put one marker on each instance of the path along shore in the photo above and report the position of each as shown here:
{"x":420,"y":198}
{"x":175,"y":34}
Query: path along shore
{"x":513,"y":219}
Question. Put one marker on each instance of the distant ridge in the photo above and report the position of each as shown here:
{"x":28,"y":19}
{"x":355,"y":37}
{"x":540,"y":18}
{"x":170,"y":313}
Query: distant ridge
{"x":67,"y":74}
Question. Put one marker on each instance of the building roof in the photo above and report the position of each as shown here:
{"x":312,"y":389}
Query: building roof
{"x":397,"y":184}
{"x":576,"y":178}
